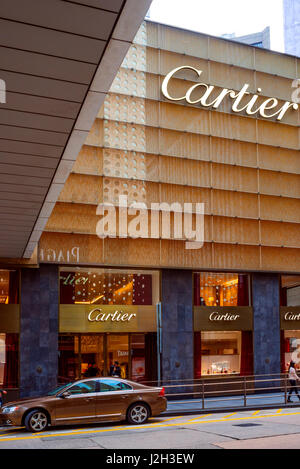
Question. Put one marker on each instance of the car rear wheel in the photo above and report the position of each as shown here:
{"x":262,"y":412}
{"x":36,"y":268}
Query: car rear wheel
{"x":36,"y":421}
{"x":138,"y":414}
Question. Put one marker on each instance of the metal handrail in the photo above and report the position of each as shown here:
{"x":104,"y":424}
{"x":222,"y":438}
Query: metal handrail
{"x":207,"y":377}
{"x":244,"y":388}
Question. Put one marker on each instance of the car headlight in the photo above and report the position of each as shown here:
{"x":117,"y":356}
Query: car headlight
{"x":9,"y":410}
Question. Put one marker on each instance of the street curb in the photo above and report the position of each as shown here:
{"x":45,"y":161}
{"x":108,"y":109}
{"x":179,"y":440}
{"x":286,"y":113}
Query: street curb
{"x":183,"y":412}
{"x":227,"y":409}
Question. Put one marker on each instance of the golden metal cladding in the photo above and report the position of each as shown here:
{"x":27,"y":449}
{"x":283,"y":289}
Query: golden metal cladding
{"x":226,"y":318}
{"x":107,"y":318}
{"x":9,"y":318}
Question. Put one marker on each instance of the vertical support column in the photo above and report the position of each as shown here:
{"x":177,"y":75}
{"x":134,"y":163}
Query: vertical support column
{"x":177,"y":325}
{"x":39,"y":308}
{"x":266,"y":319}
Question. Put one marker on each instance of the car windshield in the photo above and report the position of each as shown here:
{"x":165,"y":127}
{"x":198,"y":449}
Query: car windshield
{"x":59,"y":388}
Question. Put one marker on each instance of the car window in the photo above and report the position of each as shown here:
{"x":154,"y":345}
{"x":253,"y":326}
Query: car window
{"x":83,"y":388}
{"x":113,"y":385}
{"x":58,"y":389}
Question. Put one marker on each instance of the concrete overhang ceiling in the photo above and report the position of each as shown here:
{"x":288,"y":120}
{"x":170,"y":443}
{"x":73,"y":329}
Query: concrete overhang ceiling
{"x":58,"y":59}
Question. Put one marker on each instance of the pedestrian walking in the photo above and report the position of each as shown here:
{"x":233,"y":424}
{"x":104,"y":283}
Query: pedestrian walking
{"x":293,"y":378}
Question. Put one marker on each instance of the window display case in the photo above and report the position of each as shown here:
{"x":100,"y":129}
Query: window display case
{"x":220,"y":352}
{"x":223,"y":324}
{"x":221,"y":289}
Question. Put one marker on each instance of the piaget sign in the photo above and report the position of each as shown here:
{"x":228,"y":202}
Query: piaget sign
{"x":268,"y":108}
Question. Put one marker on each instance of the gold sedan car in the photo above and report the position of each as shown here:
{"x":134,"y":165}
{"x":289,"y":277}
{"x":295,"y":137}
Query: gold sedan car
{"x":86,"y":401}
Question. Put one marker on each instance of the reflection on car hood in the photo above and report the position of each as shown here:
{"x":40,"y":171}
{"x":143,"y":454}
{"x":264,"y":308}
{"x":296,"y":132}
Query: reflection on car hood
{"x":27,"y":401}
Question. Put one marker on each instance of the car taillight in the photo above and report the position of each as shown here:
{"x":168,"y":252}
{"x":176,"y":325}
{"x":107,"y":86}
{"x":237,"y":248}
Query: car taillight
{"x":162,"y":392}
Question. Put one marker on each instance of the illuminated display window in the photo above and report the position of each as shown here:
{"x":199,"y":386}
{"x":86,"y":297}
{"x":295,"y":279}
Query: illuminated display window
{"x":290,"y":290}
{"x":108,"y":287}
{"x":223,"y":352}
{"x":220,"y":352}
{"x":220,"y":289}
{"x":291,"y":349}
{"x":9,"y":360}
{"x":9,"y":286}
{"x":290,"y":338}
{"x":90,"y":355}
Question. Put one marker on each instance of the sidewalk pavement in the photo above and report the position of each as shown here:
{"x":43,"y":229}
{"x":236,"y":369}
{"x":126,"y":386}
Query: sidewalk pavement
{"x":219,"y":404}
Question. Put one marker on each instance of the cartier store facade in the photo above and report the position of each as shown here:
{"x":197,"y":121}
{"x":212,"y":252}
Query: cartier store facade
{"x":189,"y":119}
{"x":107,"y":316}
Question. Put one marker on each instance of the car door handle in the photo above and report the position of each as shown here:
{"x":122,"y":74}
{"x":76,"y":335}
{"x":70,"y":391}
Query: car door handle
{"x":124,"y":397}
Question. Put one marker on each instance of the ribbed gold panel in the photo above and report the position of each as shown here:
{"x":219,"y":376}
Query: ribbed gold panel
{"x":244,"y":169}
{"x":9,"y":318}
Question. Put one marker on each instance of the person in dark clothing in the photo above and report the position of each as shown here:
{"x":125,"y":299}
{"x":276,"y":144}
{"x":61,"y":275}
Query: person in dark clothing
{"x":2,"y":392}
{"x":94,"y":370}
{"x":115,"y":370}
{"x":87,"y":372}
{"x":293,"y":378}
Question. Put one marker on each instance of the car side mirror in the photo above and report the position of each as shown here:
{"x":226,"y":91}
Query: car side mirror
{"x":65,"y":394}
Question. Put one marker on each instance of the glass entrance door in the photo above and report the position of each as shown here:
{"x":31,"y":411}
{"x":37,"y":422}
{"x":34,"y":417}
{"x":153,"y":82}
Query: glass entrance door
{"x":118,"y":354}
{"x":92,"y":355}
{"x":89,"y":355}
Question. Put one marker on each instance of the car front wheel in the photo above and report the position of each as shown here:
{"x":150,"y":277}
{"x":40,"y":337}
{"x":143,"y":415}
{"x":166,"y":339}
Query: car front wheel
{"x":36,"y":421}
{"x":138,"y":414}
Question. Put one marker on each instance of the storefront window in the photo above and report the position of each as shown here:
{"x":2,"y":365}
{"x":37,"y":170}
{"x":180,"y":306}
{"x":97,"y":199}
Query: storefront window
{"x":223,"y":352}
{"x":108,"y":287}
{"x":9,"y":287}
{"x":89,"y":355}
{"x":290,"y":316}
{"x":138,"y":358}
{"x":223,"y":324}
{"x":290,"y":290}
{"x":92,"y":355}
{"x":9,"y":360}
{"x":68,"y":358}
{"x":220,"y":289}
{"x":118,"y":351}
{"x":220,"y":352}
{"x":291,"y":348}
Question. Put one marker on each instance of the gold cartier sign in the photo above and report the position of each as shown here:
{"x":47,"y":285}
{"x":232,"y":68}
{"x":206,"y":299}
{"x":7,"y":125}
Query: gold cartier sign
{"x":216,"y":316}
{"x":107,"y":318}
{"x":251,"y":107}
{"x":98,"y":314}
{"x":290,"y":317}
{"x":225,"y":318}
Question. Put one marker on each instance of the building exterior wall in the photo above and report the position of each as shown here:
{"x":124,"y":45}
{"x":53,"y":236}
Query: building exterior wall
{"x":265,"y":294}
{"x":38,"y":330}
{"x":260,"y":39}
{"x":177,"y":325}
{"x":292,"y":26}
{"x":243,"y":168}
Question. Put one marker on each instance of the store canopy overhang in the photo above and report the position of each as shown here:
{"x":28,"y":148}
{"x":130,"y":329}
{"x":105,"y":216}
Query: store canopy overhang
{"x":58,"y":60}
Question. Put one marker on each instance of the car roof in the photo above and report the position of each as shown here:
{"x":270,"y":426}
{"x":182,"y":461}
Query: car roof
{"x":113,"y":378}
